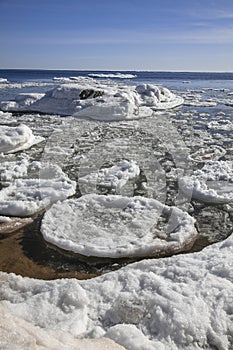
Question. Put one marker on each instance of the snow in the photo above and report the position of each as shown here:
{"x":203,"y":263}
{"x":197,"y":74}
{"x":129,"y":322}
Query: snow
{"x":212,"y":184}
{"x":17,"y":334}
{"x":182,"y":302}
{"x":117,"y":226}
{"x":25,"y":197}
{"x":18,"y":138}
{"x":10,"y":170}
{"x":101,"y":100}
{"x":113,"y":177}
{"x":158,"y":97}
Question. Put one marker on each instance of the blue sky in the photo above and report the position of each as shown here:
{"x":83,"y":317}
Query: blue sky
{"x":183,"y":35}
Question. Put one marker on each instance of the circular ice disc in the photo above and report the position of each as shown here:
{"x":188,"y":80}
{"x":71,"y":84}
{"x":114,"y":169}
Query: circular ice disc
{"x":116,"y":226}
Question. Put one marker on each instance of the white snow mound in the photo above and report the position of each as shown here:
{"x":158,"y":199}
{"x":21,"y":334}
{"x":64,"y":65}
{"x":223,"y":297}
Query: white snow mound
{"x":89,"y":98}
{"x":15,"y":139}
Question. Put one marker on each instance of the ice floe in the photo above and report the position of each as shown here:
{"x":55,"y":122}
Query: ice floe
{"x":113,"y":177}
{"x":213,"y":152}
{"x":3,"y":80}
{"x":157,"y":97}
{"x":212,"y":184}
{"x":89,"y":98}
{"x":22,"y":101}
{"x":112,"y":75}
{"x":25,"y":197}
{"x":117,"y":226}
{"x":225,"y":125}
{"x":18,"y":138}
{"x":182,"y":302}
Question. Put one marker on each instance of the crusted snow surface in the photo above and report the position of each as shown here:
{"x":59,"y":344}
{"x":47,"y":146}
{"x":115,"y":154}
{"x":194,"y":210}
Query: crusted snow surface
{"x":182,"y":302}
{"x":102,"y":100}
{"x":213,"y":183}
{"x":14,"y":139}
{"x":117,"y":226}
{"x":25,"y":197}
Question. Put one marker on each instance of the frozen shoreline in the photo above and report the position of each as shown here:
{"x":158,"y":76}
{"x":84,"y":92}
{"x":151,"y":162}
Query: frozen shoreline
{"x":181,"y":302}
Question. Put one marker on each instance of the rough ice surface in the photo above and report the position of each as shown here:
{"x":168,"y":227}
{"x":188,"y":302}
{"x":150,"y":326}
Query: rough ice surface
{"x":25,"y":197}
{"x":88,"y":98}
{"x":213,"y":153}
{"x":178,"y":303}
{"x":158,"y":97}
{"x":113,"y":177}
{"x":182,"y":302}
{"x":117,"y":226}
{"x":14,"y":139}
{"x":213,"y":183}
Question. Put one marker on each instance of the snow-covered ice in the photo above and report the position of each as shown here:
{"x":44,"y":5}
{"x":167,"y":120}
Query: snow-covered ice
{"x":158,"y":97}
{"x":117,"y":226}
{"x":89,"y":98}
{"x":212,"y":184}
{"x":182,"y":302}
{"x":25,"y":197}
{"x":18,"y":138}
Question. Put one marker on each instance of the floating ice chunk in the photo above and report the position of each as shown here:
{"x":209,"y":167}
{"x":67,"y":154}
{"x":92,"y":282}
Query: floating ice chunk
{"x":212,"y":184}
{"x":114,"y":177}
{"x":102,"y":100}
{"x":24,"y":197}
{"x":3,"y":80}
{"x":22,"y":102}
{"x":158,"y":97}
{"x":198,"y":103}
{"x":116,"y":226}
{"x":213,"y":152}
{"x":14,"y":139}
{"x":78,"y":79}
{"x":112,"y":75}
{"x":7,"y":118}
{"x":225,"y":125}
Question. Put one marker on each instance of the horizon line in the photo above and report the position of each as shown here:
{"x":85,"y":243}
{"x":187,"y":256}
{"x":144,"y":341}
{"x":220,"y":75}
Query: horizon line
{"x":120,"y":70}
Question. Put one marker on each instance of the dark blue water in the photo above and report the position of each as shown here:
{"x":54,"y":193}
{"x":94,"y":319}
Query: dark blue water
{"x":171,"y":80}
{"x":20,"y":75}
